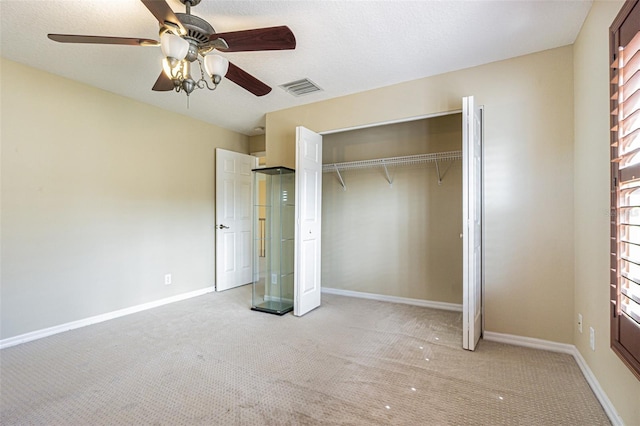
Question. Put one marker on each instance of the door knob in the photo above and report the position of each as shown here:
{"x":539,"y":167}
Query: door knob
{"x":222,"y":227}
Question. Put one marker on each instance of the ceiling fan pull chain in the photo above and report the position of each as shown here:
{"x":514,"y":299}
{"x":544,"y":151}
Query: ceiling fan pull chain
{"x":201,"y":71}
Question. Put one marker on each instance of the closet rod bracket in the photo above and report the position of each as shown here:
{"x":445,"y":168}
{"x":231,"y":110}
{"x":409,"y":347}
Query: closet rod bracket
{"x":386,"y":172}
{"x":344,"y":187}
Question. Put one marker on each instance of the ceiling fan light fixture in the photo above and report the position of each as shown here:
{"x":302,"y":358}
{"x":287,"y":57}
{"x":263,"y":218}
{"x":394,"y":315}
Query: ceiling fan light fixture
{"x":216,"y":66}
{"x":174,"y":46}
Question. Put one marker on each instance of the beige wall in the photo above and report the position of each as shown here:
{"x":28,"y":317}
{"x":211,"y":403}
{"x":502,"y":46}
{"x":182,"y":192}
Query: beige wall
{"x":101,"y":197}
{"x":528,"y":175}
{"x":418,"y":220}
{"x":257,"y":143}
{"x":591,"y":201}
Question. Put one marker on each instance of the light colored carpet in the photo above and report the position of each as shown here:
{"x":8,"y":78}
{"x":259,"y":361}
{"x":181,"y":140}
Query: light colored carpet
{"x":212,"y":361}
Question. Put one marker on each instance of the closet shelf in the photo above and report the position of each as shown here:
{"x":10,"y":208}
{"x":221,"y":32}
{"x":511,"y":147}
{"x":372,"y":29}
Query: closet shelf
{"x":407,"y":160}
{"x":394,"y":161}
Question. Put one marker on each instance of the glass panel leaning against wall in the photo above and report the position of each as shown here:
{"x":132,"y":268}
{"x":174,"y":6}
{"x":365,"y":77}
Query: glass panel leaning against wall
{"x":625,"y":185}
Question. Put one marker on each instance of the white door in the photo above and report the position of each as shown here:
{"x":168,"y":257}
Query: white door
{"x":233,"y":218}
{"x":306,"y":275}
{"x":471,"y":223}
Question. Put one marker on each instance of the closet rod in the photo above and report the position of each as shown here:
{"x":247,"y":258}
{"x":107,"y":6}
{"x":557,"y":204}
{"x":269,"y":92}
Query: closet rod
{"x":393,"y":161}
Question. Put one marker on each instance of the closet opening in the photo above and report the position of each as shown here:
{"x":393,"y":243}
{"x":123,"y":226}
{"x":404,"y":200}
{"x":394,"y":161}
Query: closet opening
{"x":392,"y":212}
{"x":397,"y":244}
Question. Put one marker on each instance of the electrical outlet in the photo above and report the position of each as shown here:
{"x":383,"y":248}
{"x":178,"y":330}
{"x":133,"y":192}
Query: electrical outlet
{"x":580,"y":323}
{"x":592,"y":338}
{"x":167,"y":279}
{"x":274,"y":278}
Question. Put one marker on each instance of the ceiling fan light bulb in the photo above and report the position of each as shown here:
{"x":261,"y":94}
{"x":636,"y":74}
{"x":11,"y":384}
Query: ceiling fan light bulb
{"x":172,"y":68}
{"x":216,"y":66}
{"x":174,"y":46}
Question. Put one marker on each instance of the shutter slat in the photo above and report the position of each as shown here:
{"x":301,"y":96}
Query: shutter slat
{"x":631,"y":86}
{"x":631,"y":140}
{"x":631,"y":289}
{"x":629,"y":307}
{"x":629,"y":124}
{"x":629,"y":279}
{"x":630,"y":106}
{"x":624,"y":157}
{"x":628,"y":73}
{"x":630,"y":173}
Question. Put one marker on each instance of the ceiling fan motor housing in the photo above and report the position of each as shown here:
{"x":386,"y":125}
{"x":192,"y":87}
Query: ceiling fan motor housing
{"x":198,"y":34}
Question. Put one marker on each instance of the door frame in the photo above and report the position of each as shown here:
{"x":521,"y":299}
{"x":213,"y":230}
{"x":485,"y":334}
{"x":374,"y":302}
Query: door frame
{"x":482,"y":205}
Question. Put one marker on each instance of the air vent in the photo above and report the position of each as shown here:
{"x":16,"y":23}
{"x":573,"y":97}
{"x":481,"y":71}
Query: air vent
{"x":301,"y":87}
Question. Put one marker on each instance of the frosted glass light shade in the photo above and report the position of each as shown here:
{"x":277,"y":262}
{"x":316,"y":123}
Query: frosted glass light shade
{"x":174,"y":46}
{"x":216,"y":65}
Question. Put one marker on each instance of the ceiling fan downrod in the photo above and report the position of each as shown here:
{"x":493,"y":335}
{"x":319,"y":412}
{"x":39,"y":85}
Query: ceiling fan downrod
{"x":188,"y":4}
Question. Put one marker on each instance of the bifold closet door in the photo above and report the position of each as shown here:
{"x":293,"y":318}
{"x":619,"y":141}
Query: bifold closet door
{"x":471,"y":223}
{"x":307,"y":269}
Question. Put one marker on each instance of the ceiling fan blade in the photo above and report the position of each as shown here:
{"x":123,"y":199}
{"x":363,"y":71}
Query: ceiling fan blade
{"x":127,"y":41}
{"x":163,"y":83}
{"x":246,"y":80}
{"x":163,"y":13}
{"x":272,"y":38}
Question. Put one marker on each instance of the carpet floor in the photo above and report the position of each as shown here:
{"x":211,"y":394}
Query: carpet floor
{"x":210,"y":360}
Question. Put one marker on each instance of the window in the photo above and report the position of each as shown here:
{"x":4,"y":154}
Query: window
{"x":625,"y":185}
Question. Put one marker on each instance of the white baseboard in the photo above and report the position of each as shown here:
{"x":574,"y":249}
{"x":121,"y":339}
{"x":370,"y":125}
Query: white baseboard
{"x":395,"y":299}
{"x":608,"y":407}
{"x":547,"y":345}
{"x":39,"y":334}
{"x":529,"y":342}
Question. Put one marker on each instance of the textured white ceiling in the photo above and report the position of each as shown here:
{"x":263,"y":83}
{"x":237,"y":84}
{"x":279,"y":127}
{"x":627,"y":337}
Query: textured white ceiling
{"x":343,"y":46}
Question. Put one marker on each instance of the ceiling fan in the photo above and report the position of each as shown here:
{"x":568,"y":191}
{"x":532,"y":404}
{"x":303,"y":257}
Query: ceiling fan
{"x":186,"y":38}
